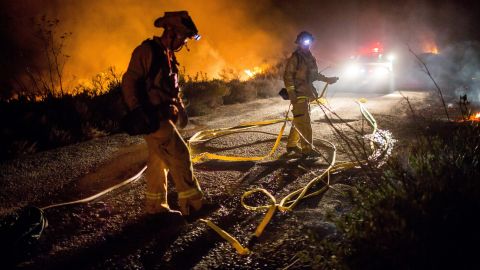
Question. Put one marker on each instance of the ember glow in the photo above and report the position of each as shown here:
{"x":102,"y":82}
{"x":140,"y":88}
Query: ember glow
{"x":430,"y":48}
{"x":251,"y":73}
{"x":475,"y":117}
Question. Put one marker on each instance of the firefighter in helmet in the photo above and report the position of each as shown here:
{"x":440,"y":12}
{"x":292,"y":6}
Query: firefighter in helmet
{"x":150,"y":90}
{"x":300,"y":73}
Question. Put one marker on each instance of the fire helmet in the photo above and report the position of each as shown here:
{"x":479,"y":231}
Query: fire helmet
{"x":304,"y":38}
{"x":180,"y":21}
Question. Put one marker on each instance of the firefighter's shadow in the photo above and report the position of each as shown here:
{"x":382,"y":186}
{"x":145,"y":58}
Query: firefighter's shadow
{"x":282,"y":171}
{"x":335,"y":121}
{"x":208,"y":147}
{"x":151,"y":235}
{"x":290,"y":171}
{"x":218,"y":165}
{"x":285,"y":170}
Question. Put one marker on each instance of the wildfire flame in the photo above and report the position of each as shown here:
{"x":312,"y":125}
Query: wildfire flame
{"x":430,"y":47}
{"x":253,"y":72}
{"x":475,"y":117}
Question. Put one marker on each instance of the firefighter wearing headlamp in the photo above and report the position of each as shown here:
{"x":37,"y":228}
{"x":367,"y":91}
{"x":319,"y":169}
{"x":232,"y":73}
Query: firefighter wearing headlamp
{"x":150,"y":90}
{"x":300,"y":73}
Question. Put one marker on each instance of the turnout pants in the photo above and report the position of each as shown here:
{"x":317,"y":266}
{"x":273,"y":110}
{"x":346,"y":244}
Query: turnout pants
{"x":301,"y":120}
{"x":168,"y":154}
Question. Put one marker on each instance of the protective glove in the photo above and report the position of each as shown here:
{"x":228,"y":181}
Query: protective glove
{"x":291,"y":94}
{"x":182,"y":120}
{"x":332,"y":80}
{"x":139,"y":121}
{"x":283,"y":93}
{"x":171,"y":113}
{"x":174,"y":112}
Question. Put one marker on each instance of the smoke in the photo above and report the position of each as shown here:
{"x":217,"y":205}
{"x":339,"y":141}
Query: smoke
{"x":106,"y":32}
{"x":236,"y":35}
{"x":456,"y":70}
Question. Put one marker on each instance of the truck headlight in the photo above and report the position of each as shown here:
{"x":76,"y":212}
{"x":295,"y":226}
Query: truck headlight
{"x":381,"y":71}
{"x":352,"y":70}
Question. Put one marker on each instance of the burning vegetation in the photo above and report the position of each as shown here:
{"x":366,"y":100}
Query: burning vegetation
{"x":475,"y":117}
{"x":40,"y":122}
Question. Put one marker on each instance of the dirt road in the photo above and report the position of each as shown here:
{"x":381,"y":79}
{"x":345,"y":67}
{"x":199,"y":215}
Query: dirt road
{"x":113,"y":233}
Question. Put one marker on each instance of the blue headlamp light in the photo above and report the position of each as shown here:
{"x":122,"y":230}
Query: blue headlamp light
{"x":306,"y":41}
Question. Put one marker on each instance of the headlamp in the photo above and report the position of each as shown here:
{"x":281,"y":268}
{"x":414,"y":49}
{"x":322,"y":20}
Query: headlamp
{"x":304,"y":39}
{"x":196,"y":37}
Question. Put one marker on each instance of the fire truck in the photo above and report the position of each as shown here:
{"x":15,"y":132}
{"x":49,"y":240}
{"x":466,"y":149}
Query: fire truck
{"x":371,"y":69}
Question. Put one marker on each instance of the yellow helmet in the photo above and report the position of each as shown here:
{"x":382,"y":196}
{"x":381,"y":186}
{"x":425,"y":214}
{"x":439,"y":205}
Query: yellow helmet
{"x":179,"y":21}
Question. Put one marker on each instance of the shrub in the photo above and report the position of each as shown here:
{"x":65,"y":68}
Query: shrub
{"x":201,"y":97}
{"x":421,"y":214}
{"x":91,"y":132}
{"x":240,"y":92}
{"x":30,"y":126}
{"x":60,"y":137}
{"x":22,"y":147}
{"x":267,"y":87}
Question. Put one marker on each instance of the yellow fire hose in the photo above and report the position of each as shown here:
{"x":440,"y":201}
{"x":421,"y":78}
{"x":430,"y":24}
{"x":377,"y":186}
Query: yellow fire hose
{"x":93,"y":197}
{"x":213,"y":133}
{"x":285,"y":204}
{"x":292,"y":199}
{"x":198,"y":137}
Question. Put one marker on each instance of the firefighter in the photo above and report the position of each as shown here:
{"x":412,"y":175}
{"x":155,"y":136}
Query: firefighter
{"x":150,"y":90}
{"x":300,"y":73}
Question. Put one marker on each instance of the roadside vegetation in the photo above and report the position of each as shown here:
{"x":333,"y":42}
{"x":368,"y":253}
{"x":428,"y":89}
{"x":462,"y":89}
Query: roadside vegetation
{"x":417,"y":211}
{"x":34,"y":123}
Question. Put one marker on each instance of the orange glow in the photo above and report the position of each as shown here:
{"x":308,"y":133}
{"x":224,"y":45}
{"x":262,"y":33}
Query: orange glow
{"x":430,"y":48}
{"x":107,"y":38}
{"x":232,"y":39}
{"x":475,"y":117}
{"x":251,"y":73}
{"x":428,"y":44}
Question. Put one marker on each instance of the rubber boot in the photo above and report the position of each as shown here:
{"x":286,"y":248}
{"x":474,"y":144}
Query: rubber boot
{"x":191,"y":204}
